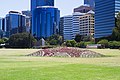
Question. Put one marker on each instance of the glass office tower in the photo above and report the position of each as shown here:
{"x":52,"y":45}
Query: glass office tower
{"x":15,"y":23}
{"x":91,"y":3}
{"x":36,"y":3}
{"x":45,"y":21}
{"x":105,"y":12}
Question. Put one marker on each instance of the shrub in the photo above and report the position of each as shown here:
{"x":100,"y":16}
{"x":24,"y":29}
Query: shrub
{"x":114,"y":44}
{"x":70,"y":43}
{"x":104,"y":42}
{"x":80,"y":44}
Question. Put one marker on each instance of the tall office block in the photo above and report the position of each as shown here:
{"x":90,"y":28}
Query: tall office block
{"x":15,"y":23}
{"x":1,"y":31}
{"x":66,"y":27}
{"x":91,"y":3}
{"x":45,"y":21}
{"x":28,"y":19}
{"x":105,"y":12}
{"x":76,"y":23}
{"x":70,"y":25}
{"x":83,"y":9}
{"x":36,"y":3}
{"x":87,"y":24}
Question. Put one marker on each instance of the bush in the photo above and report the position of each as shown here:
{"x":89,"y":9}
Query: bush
{"x":70,"y":43}
{"x":114,"y":44}
{"x":80,"y":44}
{"x":104,"y":42}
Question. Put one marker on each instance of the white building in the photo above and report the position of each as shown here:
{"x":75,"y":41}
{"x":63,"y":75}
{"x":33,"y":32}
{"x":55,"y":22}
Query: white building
{"x":77,"y":23}
{"x":66,"y":27}
{"x":87,"y":24}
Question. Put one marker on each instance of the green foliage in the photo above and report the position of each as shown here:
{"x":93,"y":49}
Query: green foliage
{"x":80,"y":44}
{"x":3,"y":40}
{"x":104,"y":42}
{"x":21,"y":40}
{"x":55,"y":40}
{"x":78,"y":38}
{"x":71,"y":43}
{"x":116,"y":31}
{"x":87,"y":43}
{"x":114,"y":44}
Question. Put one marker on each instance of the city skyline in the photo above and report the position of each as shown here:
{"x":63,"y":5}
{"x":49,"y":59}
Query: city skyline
{"x":16,"y":6}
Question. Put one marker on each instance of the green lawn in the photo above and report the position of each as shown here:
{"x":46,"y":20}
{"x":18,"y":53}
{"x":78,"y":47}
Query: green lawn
{"x":15,"y":66}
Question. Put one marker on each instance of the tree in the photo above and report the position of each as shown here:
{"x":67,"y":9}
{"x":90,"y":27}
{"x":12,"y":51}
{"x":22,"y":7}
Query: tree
{"x":21,"y":40}
{"x":104,"y":42}
{"x":116,"y":31}
{"x":78,"y":37}
{"x":55,"y":40}
{"x":71,"y":43}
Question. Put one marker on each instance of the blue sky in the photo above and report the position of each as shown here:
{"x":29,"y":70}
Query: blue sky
{"x":66,"y":6}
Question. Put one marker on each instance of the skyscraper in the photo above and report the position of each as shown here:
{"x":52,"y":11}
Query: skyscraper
{"x":105,"y":12}
{"x":45,"y":18}
{"x":91,"y":3}
{"x":45,"y":21}
{"x":15,"y":23}
{"x":36,"y":3}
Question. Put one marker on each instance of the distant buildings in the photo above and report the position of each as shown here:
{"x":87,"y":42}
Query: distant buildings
{"x":87,"y":24}
{"x":1,"y":31}
{"x":77,"y":23}
{"x":28,"y":20}
{"x":45,"y":18}
{"x":15,"y":22}
{"x":83,"y":9}
{"x":91,"y":3}
{"x":45,"y":21}
{"x":105,"y":12}
{"x":66,"y":27}
{"x":36,"y":3}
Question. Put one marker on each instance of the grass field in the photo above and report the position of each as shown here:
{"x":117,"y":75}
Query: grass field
{"x":15,"y":66}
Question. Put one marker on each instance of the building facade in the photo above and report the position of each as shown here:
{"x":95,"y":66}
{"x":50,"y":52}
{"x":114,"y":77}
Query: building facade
{"x":15,"y":23}
{"x":91,"y":3}
{"x":66,"y":27}
{"x":83,"y":9}
{"x":45,"y":21}
{"x":76,"y":23}
{"x":28,"y":20}
{"x":87,"y":24}
{"x":36,"y":3}
{"x":70,"y":25}
{"x":1,"y":31}
{"x":105,"y":12}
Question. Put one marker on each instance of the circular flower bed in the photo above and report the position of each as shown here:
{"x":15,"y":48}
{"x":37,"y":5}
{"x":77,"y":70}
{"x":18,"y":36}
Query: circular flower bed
{"x":66,"y":52}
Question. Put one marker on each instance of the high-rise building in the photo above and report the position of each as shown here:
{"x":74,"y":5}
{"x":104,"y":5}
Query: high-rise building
{"x":36,"y":3}
{"x":70,"y":25}
{"x":15,"y":23}
{"x":87,"y":24}
{"x":91,"y":3}
{"x":66,"y":27}
{"x":28,"y":19}
{"x":45,"y":21}
{"x":76,"y":23}
{"x":83,"y":9}
{"x":105,"y":12}
{"x":1,"y":31}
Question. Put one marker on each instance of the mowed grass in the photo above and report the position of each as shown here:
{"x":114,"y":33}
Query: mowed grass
{"x":15,"y":66}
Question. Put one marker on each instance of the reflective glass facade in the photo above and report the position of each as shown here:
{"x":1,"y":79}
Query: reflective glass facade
{"x":45,"y":22}
{"x":105,"y":17}
{"x":36,"y":3}
{"x":90,"y":2}
{"x":15,"y":23}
